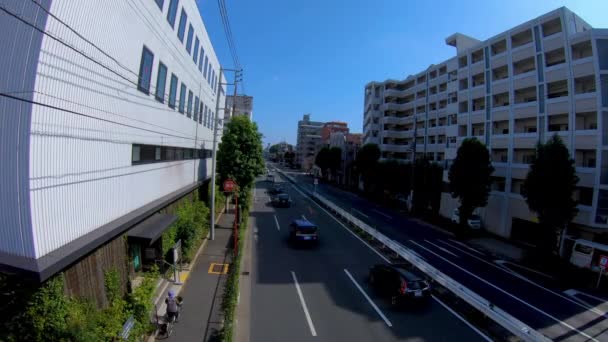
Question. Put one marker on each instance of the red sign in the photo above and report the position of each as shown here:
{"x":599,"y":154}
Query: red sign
{"x":603,"y":261}
{"x":229,"y":185}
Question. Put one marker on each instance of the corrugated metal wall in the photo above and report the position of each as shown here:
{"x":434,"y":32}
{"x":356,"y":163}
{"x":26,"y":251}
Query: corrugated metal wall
{"x":89,"y":112}
{"x":20,"y":45}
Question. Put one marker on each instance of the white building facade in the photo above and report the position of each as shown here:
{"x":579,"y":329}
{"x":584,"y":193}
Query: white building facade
{"x":544,"y":77}
{"x":309,"y":138}
{"x":107,"y":117}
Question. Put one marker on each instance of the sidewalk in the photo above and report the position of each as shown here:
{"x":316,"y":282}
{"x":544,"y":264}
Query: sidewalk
{"x":202,"y":290}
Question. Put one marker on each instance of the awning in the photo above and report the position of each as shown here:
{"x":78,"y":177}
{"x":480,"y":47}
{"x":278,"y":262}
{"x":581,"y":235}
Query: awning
{"x":151,"y":228}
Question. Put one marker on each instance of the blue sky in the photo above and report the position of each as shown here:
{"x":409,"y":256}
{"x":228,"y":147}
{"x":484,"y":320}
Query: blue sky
{"x":316,"y":56}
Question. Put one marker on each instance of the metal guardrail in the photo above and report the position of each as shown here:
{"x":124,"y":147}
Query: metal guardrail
{"x":498,"y":315}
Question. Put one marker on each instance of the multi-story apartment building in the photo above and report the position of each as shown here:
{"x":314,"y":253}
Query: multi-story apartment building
{"x":544,"y":77}
{"x":239,"y":105}
{"x":107,"y":120}
{"x":332,"y":127}
{"x":309,"y":137}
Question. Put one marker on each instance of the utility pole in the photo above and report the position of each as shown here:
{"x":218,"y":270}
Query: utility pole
{"x":236,"y":75}
{"x":214,"y":153}
{"x":216,"y":121}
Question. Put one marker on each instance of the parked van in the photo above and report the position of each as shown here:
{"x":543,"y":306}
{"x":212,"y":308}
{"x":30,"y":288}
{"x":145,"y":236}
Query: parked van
{"x":586,"y":254}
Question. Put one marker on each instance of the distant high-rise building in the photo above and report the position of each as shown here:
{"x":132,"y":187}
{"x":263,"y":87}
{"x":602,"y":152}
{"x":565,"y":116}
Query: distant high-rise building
{"x":309,"y":137}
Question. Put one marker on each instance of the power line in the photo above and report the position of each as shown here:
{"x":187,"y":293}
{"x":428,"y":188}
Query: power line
{"x":98,"y":118}
{"x":147,"y":98}
{"x":170,"y":49}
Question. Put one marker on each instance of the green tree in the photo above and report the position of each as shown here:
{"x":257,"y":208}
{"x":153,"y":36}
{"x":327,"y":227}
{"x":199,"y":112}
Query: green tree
{"x":427,"y":186}
{"x":289,"y":157}
{"x":323,"y":160}
{"x":548,"y":189}
{"x":335,"y":161}
{"x":367,"y":161}
{"x":240,"y":155}
{"x":469,"y":177}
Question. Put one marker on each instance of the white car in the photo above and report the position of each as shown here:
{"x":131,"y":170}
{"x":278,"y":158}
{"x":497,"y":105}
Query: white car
{"x":474,"y":221}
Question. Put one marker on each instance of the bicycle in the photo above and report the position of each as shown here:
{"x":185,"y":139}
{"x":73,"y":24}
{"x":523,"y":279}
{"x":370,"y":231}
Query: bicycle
{"x":166,"y":328}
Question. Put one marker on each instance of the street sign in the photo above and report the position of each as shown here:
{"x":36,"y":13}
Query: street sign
{"x":177,"y":251}
{"x":603,"y":261}
{"x":127,"y":327}
{"x":316,"y":181}
{"x":229,"y":185}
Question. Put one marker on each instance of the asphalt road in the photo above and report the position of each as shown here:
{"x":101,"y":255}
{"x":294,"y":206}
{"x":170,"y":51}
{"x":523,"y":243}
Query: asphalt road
{"x":321,"y":294}
{"x":543,"y":306}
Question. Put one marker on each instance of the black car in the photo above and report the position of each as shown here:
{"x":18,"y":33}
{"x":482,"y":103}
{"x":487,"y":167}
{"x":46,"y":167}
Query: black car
{"x":281,"y":200}
{"x":303,"y":231}
{"x":399,"y":283}
{"x":277,"y":189}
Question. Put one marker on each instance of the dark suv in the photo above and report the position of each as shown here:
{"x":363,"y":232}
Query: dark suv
{"x":281,"y":200}
{"x":303,"y":231}
{"x":399,"y":283}
{"x":275,"y":190}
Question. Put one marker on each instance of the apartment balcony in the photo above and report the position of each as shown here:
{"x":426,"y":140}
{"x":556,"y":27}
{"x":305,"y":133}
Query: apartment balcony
{"x":586,"y":176}
{"x":523,"y":51}
{"x":553,"y":41}
{"x":500,"y":141}
{"x":556,"y":72}
{"x":586,"y":102}
{"x":525,"y":110}
{"x":525,"y":80}
{"x":499,"y":60}
{"x":395,"y":148}
{"x":395,"y":93}
{"x":462,"y":119}
{"x":477,"y":67}
{"x":393,"y":107}
{"x":558,"y":105}
{"x":585,"y":140}
{"x":478,"y":117}
{"x":525,"y":140}
{"x":451,"y":130}
{"x":500,"y":169}
{"x":478,"y":91}
{"x":500,"y":86}
{"x":398,"y":134}
{"x":393,"y":120}
{"x":519,"y":170}
{"x":583,"y":67}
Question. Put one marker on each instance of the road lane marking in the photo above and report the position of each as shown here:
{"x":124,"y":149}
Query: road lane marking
{"x":345,"y":227}
{"x":371,"y":302}
{"x":441,"y":248}
{"x":517,"y":275}
{"x":277,"y":222}
{"x":504,"y":262}
{"x":360,"y":213}
{"x":507,"y":293}
{"x":383,"y":214}
{"x":467,"y":247}
{"x":304,"y":307}
{"x":484,"y":336}
{"x":573,"y":292}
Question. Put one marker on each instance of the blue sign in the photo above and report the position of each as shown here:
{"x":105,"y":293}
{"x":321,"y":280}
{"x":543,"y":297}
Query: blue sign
{"x":127,"y":327}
